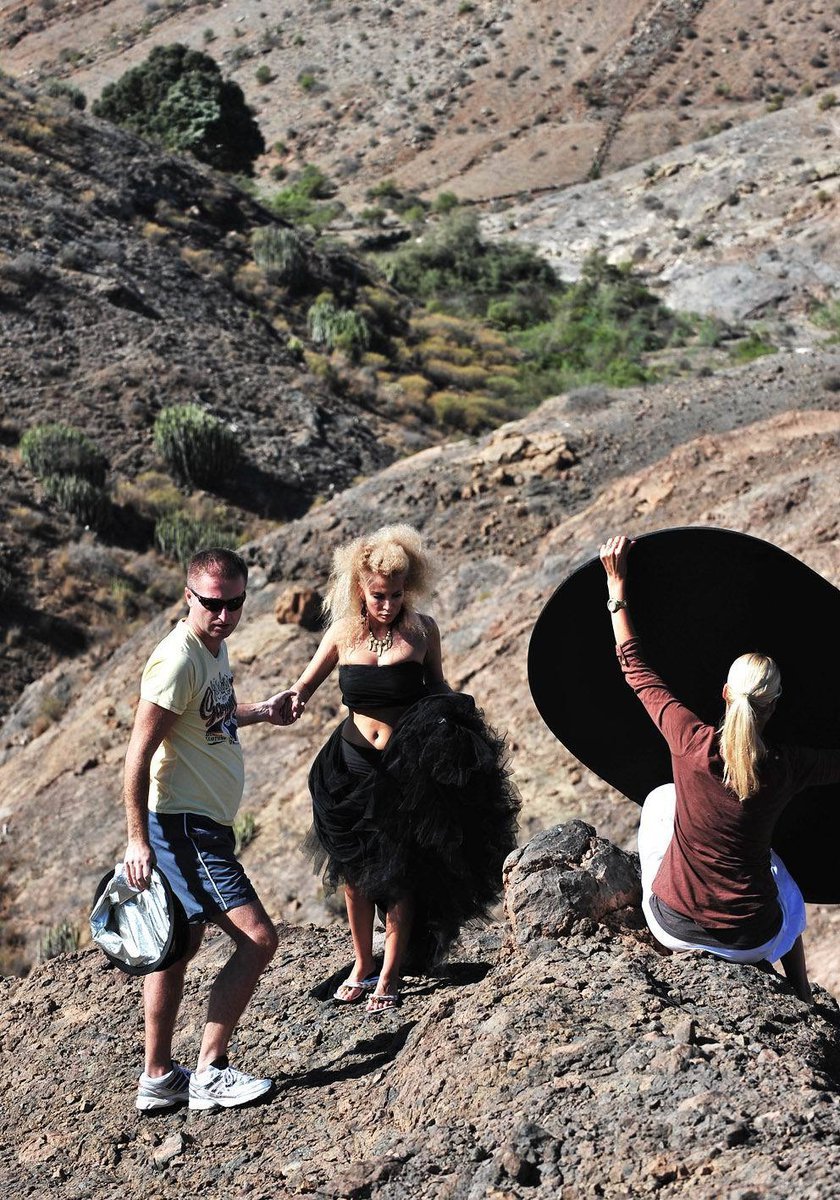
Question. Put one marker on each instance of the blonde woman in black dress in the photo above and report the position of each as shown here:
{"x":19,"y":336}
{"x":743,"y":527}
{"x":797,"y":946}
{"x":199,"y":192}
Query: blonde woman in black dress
{"x":412,"y":807}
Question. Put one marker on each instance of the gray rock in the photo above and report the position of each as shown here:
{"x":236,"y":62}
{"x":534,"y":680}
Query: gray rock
{"x":563,"y":876}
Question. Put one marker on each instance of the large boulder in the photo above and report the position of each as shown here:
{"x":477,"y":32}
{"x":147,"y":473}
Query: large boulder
{"x":567,"y":875}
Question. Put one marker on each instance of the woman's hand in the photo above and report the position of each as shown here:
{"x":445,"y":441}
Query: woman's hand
{"x":613,"y":555}
{"x":286,"y":707}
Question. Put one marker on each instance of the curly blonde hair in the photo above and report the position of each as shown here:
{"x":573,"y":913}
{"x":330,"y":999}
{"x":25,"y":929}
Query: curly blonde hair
{"x":391,"y":550}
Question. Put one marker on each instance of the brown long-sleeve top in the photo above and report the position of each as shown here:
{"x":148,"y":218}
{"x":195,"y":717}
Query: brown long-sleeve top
{"x":717,"y":867}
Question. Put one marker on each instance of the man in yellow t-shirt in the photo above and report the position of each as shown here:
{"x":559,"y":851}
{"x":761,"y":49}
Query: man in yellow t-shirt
{"x":183,"y":785}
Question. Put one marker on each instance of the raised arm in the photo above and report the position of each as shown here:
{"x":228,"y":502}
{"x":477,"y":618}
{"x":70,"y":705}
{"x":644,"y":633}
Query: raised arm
{"x":677,"y":724}
{"x":613,"y":555}
{"x":151,"y":725}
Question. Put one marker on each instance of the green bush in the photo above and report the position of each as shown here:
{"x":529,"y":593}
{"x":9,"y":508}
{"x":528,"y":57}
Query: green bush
{"x":179,"y":536}
{"x":338,"y":328}
{"x":59,"y":939}
{"x":306,"y":201}
{"x":603,"y":327}
{"x":751,"y":347}
{"x":444,"y":202}
{"x":179,"y":97}
{"x":828,"y":317}
{"x":281,"y":255}
{"x":62,"y":450}
{"x":244,"y":831}
{"x":198,"y":448}
{"x":82,"y":499}
{"x":464,"y":275}
{"x":59,"y":89}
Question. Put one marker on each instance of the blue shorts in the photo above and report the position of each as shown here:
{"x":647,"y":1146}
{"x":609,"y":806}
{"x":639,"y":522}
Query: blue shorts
{"x":196,"y":854}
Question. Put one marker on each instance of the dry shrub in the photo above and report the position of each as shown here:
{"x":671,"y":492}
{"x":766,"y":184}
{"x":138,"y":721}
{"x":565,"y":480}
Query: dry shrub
{"x":439,"y":348}
{"x":470,"y":414}
{"x":444,"y":326}
{"x":447,"y":374}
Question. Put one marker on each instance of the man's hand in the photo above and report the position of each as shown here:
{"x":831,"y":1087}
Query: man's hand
{"x":139,"y":860}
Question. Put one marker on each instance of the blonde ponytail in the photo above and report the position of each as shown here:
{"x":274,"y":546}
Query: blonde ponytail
{"x":752,"y":688}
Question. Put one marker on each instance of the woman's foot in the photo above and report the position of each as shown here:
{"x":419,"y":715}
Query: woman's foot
{"x":384,"y":999}
{"x":352,"y":990}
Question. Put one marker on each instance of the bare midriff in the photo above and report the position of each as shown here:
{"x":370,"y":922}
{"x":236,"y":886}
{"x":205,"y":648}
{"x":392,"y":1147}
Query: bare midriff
{"x":372,"y":728}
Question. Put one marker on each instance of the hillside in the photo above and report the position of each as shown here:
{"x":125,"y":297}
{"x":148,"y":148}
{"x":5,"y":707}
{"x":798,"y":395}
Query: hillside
{"x":128,"y":284}
{"x":485,"y":98}
{"x":508,"y":515}
{"x":741,"y":225}
{"x":557,"y":1056}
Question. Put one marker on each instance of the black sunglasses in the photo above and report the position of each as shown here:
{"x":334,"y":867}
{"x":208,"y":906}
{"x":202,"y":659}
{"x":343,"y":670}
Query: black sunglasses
{"x":215,"y":604}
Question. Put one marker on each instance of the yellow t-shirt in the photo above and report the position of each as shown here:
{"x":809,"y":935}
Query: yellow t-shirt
{"x":198,"y":767}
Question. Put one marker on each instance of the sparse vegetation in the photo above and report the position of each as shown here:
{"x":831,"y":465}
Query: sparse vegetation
{"x":603,"y":327}
{"x":338,"y":328}
{"x":465,"y":275}
{"x":60,"y":89}
{"x":198,"y":448}
{"x":307,"y":199}
{"x":827,"y":316}
{"x":281,"y":255}
{"x":59,"y":939}
{"x":244,"y":831}
{"x":179,"y":97}
{"x":61,"y":450}
{"x":180,"y":536}
{"x":753,"y":346}
{"x":83,"y":500}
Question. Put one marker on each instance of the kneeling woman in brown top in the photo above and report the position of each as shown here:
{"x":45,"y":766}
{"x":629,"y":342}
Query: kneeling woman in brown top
{"x":412,"y":807}
{"x":710,"y":880}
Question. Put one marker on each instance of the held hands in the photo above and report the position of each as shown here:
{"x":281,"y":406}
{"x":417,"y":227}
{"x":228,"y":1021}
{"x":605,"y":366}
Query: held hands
{"x":285,"y":708}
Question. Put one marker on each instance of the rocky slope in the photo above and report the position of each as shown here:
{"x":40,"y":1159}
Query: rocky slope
{"x":558,"y":1057}
{"x":486,"y":98}
{"x":128,"y":284}
{"x":739,"y":225}
{"x":508,"y":515}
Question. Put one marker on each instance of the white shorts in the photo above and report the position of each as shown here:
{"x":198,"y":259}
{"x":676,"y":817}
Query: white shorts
{"x":656,"y":828}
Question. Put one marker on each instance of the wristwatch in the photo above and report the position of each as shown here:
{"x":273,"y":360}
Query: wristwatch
{"x":615,"y":605}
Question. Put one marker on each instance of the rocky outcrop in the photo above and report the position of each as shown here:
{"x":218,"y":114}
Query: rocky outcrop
{"x":299,"y":606}
{"x":567,"y":875}
{"x":572,"y":1064}
{"x":737,"y":225}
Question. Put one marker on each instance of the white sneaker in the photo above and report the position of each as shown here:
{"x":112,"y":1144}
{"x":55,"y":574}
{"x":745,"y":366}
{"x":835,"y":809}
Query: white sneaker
{"x":225,"y":1087}
{"x":163,"y":1091}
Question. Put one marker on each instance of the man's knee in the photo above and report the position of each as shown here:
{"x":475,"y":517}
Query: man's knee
{"x":268,"y":941}
{"x":252,"y":930}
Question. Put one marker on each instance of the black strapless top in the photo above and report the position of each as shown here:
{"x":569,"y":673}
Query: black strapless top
{"x":366,"y":685}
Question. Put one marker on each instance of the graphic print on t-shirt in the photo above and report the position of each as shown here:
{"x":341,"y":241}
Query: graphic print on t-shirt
{"x":218,"y":711}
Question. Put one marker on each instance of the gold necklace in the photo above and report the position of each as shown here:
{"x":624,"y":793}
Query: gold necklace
{"x":380,"y":646}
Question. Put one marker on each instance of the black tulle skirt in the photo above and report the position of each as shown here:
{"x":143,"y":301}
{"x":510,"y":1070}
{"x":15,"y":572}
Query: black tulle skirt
{"x":433,"y":816}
